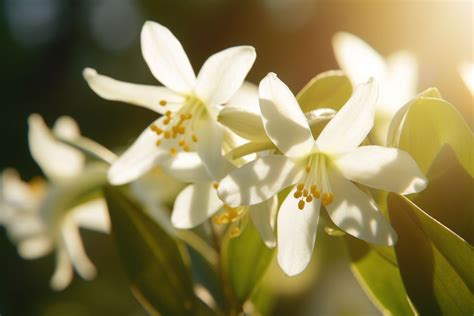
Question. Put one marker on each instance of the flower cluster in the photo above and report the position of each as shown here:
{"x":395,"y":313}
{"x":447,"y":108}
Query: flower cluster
{"x":233,"y":151}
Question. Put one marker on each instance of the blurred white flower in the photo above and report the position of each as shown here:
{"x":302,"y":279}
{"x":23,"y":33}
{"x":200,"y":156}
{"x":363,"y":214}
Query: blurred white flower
{"x":466,"y":69}
{"x":321,"y":171}
{"x":188,"y":135}
{"x":30,"y":213}
{"x":397,"y":77}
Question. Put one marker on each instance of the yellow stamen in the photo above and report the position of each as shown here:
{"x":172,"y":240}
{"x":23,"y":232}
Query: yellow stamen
{"x":168,"y":114}
{"x":234,"y":232}
{"x":195,"y":138}
{"x":215,"y":185}
{"x":301,"y":204}
{"x":305,"y":192}
{"x":309,"y":198}
{"x":298,"y":194}
{"x":158,"y":142}
{"x":300,"y":187}
{"x":163,"y":102}
{"x":167,"y":134}
{"x":173,"y":151}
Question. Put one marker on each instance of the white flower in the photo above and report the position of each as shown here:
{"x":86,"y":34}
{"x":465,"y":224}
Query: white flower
{"x":27,"y":209}
{"x":321,"y":172}
{"x":188,"y":131}
{"x":397,"y":77}
{"x":466,"y":69}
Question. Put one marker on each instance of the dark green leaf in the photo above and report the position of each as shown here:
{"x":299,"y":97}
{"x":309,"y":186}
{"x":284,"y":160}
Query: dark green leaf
{"x":152,"y":259}
{"x":436,"y":265}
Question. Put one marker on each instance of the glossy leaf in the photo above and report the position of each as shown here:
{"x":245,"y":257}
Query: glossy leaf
{"x":429,"y":123}
{"x":435,"y":264}
{"x":449,"y":195}
{"x":377,"y":271}
{"x":152,"y":259}
{"x":330,"y":89}
{"x":245,"y":260}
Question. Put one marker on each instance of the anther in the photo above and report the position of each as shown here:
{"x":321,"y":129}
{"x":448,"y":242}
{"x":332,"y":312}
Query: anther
{"x":234,"y":232}
{"x":173,"y":151}
{"x":158,"y":142}
{"x":166,"y":121}
{"x":163,"y":102}
{"x":195,"y":138}
{"x":300,"y":187}
{"x":301,"y":204}
{"x":309,"y":198}
{"x":305,"y":193}
{"x":186,"y":148}
{"x":215,"y":185}
{"x":297,"y":194}
{"x":168,"y":114}
{"x":167,"y":134}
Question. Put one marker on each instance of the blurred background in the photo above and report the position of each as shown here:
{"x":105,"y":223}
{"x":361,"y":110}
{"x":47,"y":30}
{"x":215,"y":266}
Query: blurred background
{"x":46,"y":44}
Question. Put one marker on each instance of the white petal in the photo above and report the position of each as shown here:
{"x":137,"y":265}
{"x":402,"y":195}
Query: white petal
{"x":389,"y":169}
{"x":35,"y":247}
{"x":259,"y":180}
{"x":466,"y":69}
{"x":283,"y":119}
{"x":263,"y":217}
{"x":355,"y":213}
{"x":63,"y":273}
{"x":357,"y":58}
{"x":57,"y":160}
{"x":352,"y":122}
{"x":399,"y":86}
{"x":166,"y":58}
{"x":138,"y":158}
{"x":244,"y":123}
{"x":14,"y":194}
{"x":246,"y":98}
{"x":142,"y":95}
{"x":66,"y":127}
{"x":185,"y":166}
{"x":92,"y":215}
{"x":75,"y":250}
{"x":196,"y":203}
{"x":209,"y":147}
{"x":223,"y":74}
{"x":296,"y":234}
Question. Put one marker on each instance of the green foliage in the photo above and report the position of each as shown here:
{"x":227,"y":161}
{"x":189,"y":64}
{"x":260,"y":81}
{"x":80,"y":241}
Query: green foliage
{"x":330,"y":89}
{"x":430,"y":123}
{"x":435,"y":264}
{"x":376,"y":269}
{"x":245,"y":260}
{"x":152,"y":259}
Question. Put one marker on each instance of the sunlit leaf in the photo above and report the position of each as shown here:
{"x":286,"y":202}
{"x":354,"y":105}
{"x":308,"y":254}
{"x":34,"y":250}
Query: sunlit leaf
{"x":330,"y":89}
{"x":377,"y":271}
{"x":245,"y":260}
{"x":449,"y":196}
{"x":435,"y":264}
{"x":428,"y":124}
{"x":159,"y":277}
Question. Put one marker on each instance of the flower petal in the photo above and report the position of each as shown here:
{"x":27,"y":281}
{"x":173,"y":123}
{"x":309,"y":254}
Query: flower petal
{"x":35,"y":247}
{"x":92,"y":215}
{"x":66,"y":127}
{"x":399,"y":86}
{"x":137,"y":159}
{"x":209,"y":147}
{"x":244,"y":123}
{"x":57,"y":160}
{"x":283,"y":119}
{"x":166,"y":58}
{"x":196,"y":203}
{"x":352,"y":122}
{"x":357,"y":58}
{"x":296,"y":234}
{"x":389,"y":169}
{"x":63,"y":272}
{"x":142,"y":95}
{"x":263,"y":217}
{"x":223,"y":74}
{"x":466,"y":69}
{"x":185,"y":166}
{"x":355,"y":213}
{"x":259,"y":180}
{"x":75,"y":250}
{"x":246,"y":98}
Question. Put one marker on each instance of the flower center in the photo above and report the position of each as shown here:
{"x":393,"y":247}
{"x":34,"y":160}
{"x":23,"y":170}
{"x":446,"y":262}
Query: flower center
{"x":178,"y":128}
{"x":236,"y":216}
{"x":315,"y":184}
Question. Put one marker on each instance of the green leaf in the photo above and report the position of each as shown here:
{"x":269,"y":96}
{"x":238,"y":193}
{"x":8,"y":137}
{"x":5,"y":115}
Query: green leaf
{"x":449,"y":195}
{"x":430,"y":123}
{"x":435,"y":264}
{"x":377,"y":271}
{"x":152,"y":259}
{"x":330,"y":89}
{"x":245,"y":260}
